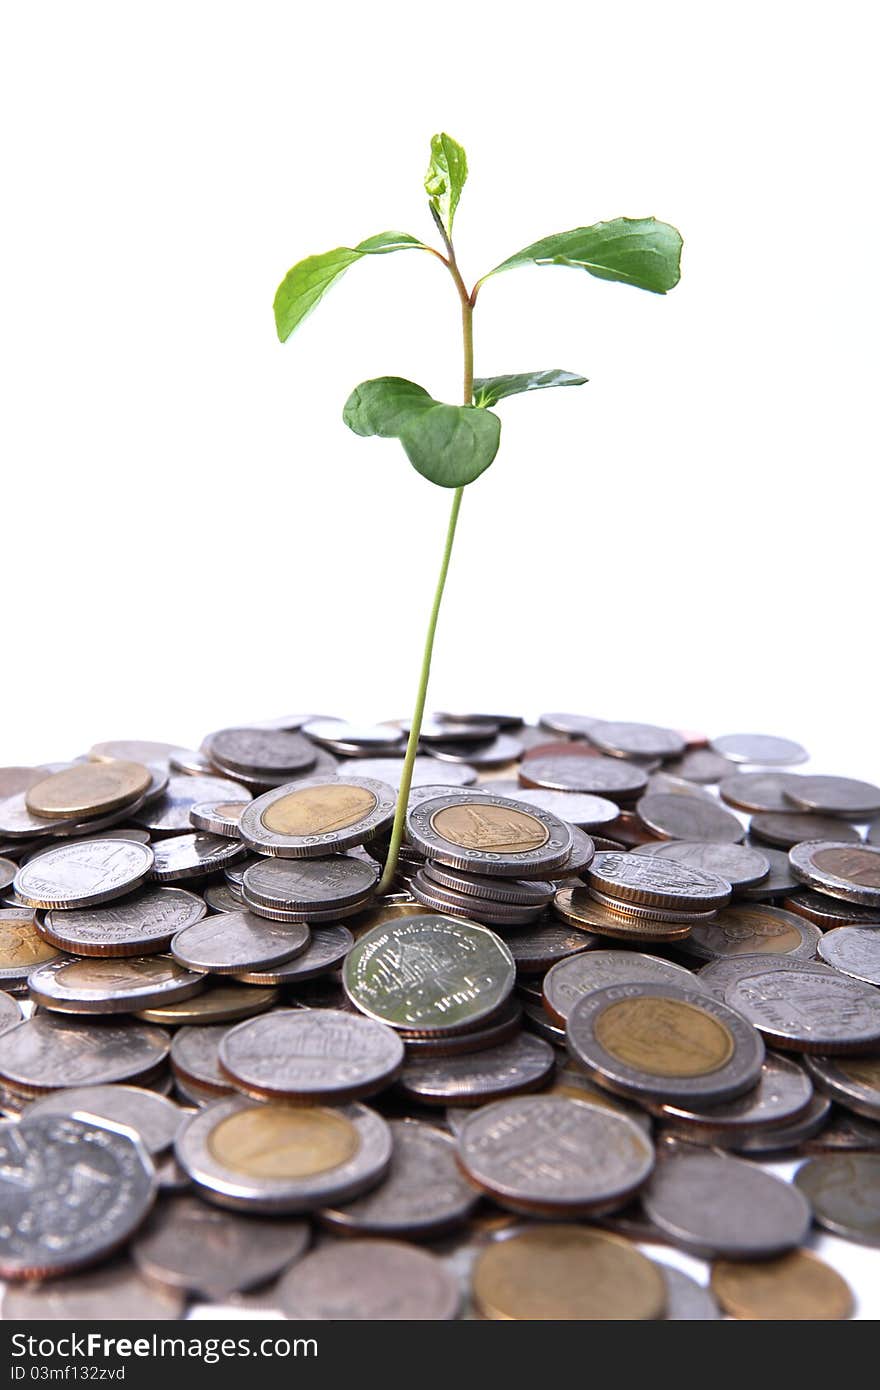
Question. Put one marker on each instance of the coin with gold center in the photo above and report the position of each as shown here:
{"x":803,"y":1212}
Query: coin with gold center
{"x":797,"y":1287}
{"x":111,"y":984}
{"x":279,"y":1141}
{"x":489,"y":834}
{"x":88,"y":789}
{"x":560,"y":1272}
{"x":311,"y":819}
{"x":664,"y":1041}
{"x":21,"y":947}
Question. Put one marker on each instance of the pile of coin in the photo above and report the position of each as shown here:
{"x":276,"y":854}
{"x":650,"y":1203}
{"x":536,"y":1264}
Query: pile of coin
{"x":620,"y":965}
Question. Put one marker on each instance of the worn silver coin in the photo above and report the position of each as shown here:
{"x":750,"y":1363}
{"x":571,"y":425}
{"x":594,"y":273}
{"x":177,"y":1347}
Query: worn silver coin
{"x":311,"y":1054}
{"x":356,"y":739}
{"x":853,"y":951}
{"x":784,"y":829}
{"x":114,"y":1292}
{"x":493,"y":752}
{"x":836,"y":796}
{"x":575,"y":808}
{"x":661,"y":883}
{"x":300,"y":885}
{"x":854,"y":1082}
{"x":170,"y":813}
{"x":686,"y":1300}
{"x":804,"y":1006}
{"x":689,"y":818}
{"x":195,"y":1057}
{"x":326,"y":951}
{"x":152,"y":1117}
{"x":522,"y":1064}
{"x":779,"y":882}
{"x":47,"y":1052}
{"x":369,"y":1281}
{"x":613,"y":778}
{"x":739,"y":865}
{"x":844,"y":1193}
{"x":566,"y":983}
{"x":781,"y":1096}
{"x":263,"y":753}
{"x":193,"y":856}
{"x":758,"y":791}
{"x":83,"y":874}
{"x":232,"y":942}
{"x":627,"y":740}
{"x":137,"y":924}
{"x":765,"y":749}
{"x":425,"y":771}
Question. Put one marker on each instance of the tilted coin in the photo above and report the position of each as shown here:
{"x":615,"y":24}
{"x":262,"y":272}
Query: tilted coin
{"x":193,"y":856}
{"x":873,"y":835}
{"x":302,"y":885}
{"x":186,"y":1244}
{"x":576,"y":725}
{"x":221,"y":1003}
{"x":552,"y":1156}
{"x":190,"y":760}
{"x":18,"y":779}
{"x":425,"y":772}
{"x":643,"y":878}
{"x":8,"y":870}
{"x":314,"y":818}
{"x":663,"y":784}
{"x":171,"y":812}
{"x":797,"y":1287}
{"x":841,"y":1131}
{"x":854,"y":951}
{"x":82,"y":874}
{"x":804,"y":1006}
{"x":345,"y":738}
{"x":494,"y":752}
{"x":218,"y":817}
{"x":838,"y":796}
{"x":580,"y":908}
{"x":780,"y":1139}
{"x":700,"y":765}
{"x":688,"y":818}
{"x":311,"y":1054}
{"x":576,"y":1085}
{"x":485,"y":910}
{"x":232,"y":942}
{"x":575,"y":808}
{"x":537,"y":745}
{"x":153,"y":1118}
{"x":538,"y":947}
{"x":498,"y":721}
{"x":828,"y":912}
{"x":326,"y":950}
{"x":141,"y":922}
{"x":686,"y":1300}
{"x":759,"y":748}
{"x":21,"y":947}
{"x":583,"y":848}
{"x":70,"y":1193}
{"x":195,"y":1056}
{"x":18,"y":823}
{"x":88,"y":789}
{"x":622,"y":740}
{"x":747,"y":929}
{"x":782,"y":1094}
{"x":429,"y":974}
{"x":369,"y":1280}
{"x":567,"y":1272}
{"x":523,"y":892}
{"x":269,"y":753}
{"x":81,"y":985}
{"x":738,"y":865}
{"x":853,"y":1082}
{"x":491,"y":835}
{"x":221,"y":897}
{"x":713,"y":1205}
{"x":779,"y":881}
{"x":726,"y":970}
{"x":500,"y":1028}
{"x":522,"y":1064}
{"x":423,"y":1195}
{"x":605,"y":777}
{"x":115,"y":1292}
{"x":844,"y":871}
{"x":253,"y":1156}
{"x":664,"y":1042}
{"x":787,"y":828}
{"x":10,"y":1011}
{"x":46,"y":1052}
{"x":135,"y":750}
{"x":844,"y":1192}
{"x":568,"y":981}
{"x":758,"y":791}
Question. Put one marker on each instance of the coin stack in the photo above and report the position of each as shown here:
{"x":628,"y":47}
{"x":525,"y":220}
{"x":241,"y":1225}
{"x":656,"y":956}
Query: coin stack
{"x":607,"y":942}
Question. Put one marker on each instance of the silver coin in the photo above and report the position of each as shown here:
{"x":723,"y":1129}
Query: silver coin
{"x":853,"y":1082}
{"x":189,"y":1245}
{"x":371,"y":1281}
{"x":8,"y":870}
{"x":141,"y":922}
{"x":268,"y":753}
{"x":765,"y":749}
{"x":191,"y":761}
{"x":522,"y":1064}
{"x":779,"y":882}
{"x":717,"y":1206}
{"x":221,"y":897}
{"x":171,"y":812}
{"x":517,"y":892}
{"x":622,"y":740}
{"x":553,"y":1156}
{"x":575,"y":808}
{"x":311,"y":1054}
{"x":130,"y":750}
{"x":663,"y":784}
{"x":83,"y":874}
{"x":686,"y":1300}
{"x":193,"y":856}
{"x":218,"y":817}
{"x":782,"y":1094}
{"x":481,"y":721}
{"x":841,"y":870}
{"x":492,"y":835}
{"x":495,"y":752}
{"x":689,"y":818}
{"x":195,"y":1057}
{"x":718,"y":974}
{"x":777,"y":1139}
{"x":46,"y":1052}
{"x":537,"y":948}
{"x":433,"y":730}
{"x":700,"y":765}
{"x":10,"y":1011}
{"x":738,"y":865}
{"x":298,"y":885}
{"x":70,"y":1193}
{"x":115,"y":1292}
{"x":853,"y":951}
{"x":661,"y":883}
{"x":424,"y":1194}
{"x":232,"y":942}
{"x":429,"y":974}
{"x":325,"y":952}
{"x":253,"y":1156}
{"x":446,"y":900}
{"x":611,"y":777}
{"x":500,"y":1028}
{"x":748,"y":929}
{"x":844,"y":1193}
{"x":622,"y":908}
{"x":425,"y":772}
{"x":807,"y":1007}
{"x":111,"y":985}
{"x":574,"y":725}
{"x":153,"y":1118}
{"x":785,"y":829}
{"x":566,"y":983}
{"x":758,"y":791}
{"x":583,"y":848}
{"x":18,"y":823}
{"x":826,"y":911}
{"x":837,"y":796}
{"x":344,"y":738}
{"x":315,"y":817}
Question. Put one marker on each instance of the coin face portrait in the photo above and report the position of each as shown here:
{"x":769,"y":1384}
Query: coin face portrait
{"x":491,"y":829}
{"x":855,"y":864}
{"x":319,"y":810}
{"x":664,"y":1037}
{"x":282,"y":1141}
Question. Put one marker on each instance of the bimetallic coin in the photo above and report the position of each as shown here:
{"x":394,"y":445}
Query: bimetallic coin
{"x":568,"y":981}
{"x":837,"y":796}
{"x":522,"y":1064}
{"x":189,"y":1245}
{"x":326,"y":951}
{"x":570,"y":1273}
{"x":605,"y":777}
{"x":424,"y":1194}
{"x":369,"y":1281}
{"x":253,"y":1156}
{"x":220,"y":1003}
{"x":313,"y":818}
{"x":738,"y":865}
{"x":803,"y":1006}
{"x":232,"y":942}
{"x":83,"y":874}
{"x":622,"y":740}
{"x":713,"y":1205}
{"x":643,"y":878}
{"x":753,"y":929}
{"x":580,"y":908}
{"x":844,"y":1192}
{"x":429,"y":974}
{"x":218,"y":817}
{"x":115,"y":1292}
{"x":47,"y":1052}
{"x":765,"y":749}
{"x":853,"y":951}
{"x":70,"y":1193}
{"x":21,"y":947}
{"x":550,"y":1156}
{"x":853,"y":1082}
{"x":88,"y":789}
{"x":491,"y":835}
{"x":153,"y":1118}
{"x":844,"y":871}
{"x":261,"y":753}
{"x":688,"y":818}
{"x":782,"y":1095}
{"x":170,"y":813}
{"x":109,"y":986}
{"x":193,"y":856}
{"x":140,"y":923}
{"x":311,"y":1055}
{"x":797,"y":1287}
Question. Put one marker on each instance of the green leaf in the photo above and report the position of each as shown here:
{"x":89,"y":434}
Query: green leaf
{"x":446,"y":176}
{"x":305,"y":285}
{"x":634,"y":250}
{"x":450,"y":445}
{"x":488,"y":390}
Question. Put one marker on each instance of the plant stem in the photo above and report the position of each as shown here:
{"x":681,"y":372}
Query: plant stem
{"x":397,"y":829}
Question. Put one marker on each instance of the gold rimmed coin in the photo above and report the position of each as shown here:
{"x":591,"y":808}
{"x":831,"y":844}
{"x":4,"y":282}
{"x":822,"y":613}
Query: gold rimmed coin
{"x":579,"y":909}
{"x":797,"y":1287}
{"x":88,"y":789}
